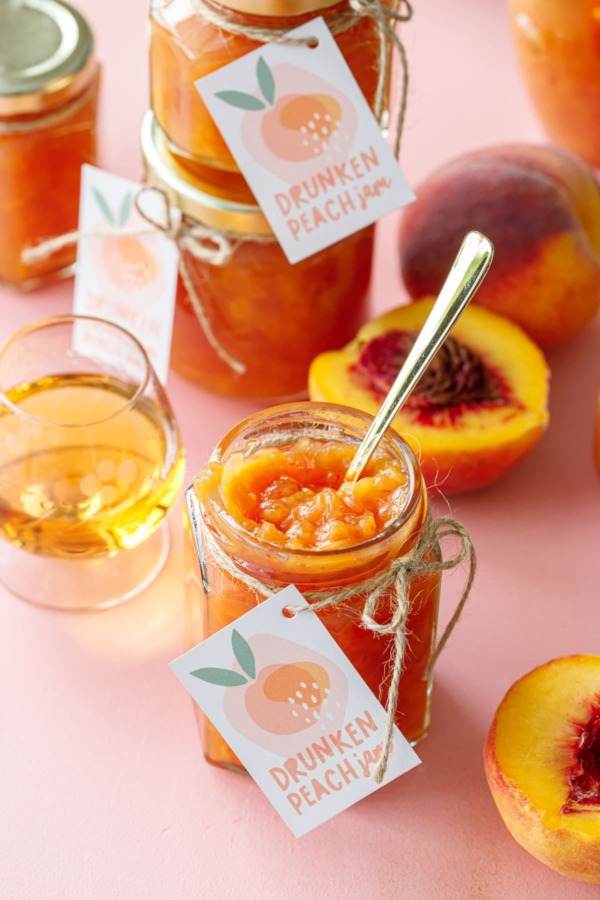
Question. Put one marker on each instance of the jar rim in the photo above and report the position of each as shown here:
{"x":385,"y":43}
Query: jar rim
{"x":316,"y":412}
{"x":58,"y":60}
{"x":198,"y":199}
{"x":277,"y":8}
{"x":71,"y":319}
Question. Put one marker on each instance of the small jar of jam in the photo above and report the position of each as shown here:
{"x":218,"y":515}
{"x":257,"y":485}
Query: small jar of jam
{"x":270,"y":316}
{"x":272,"y":507}
{"x":48,"y":96}
{"x":558,"y":46}
{"x":186,"y":44}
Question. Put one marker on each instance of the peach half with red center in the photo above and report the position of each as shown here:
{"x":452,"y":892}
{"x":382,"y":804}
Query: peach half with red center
{"x":480,"y":407}
{"x":542,"y":764}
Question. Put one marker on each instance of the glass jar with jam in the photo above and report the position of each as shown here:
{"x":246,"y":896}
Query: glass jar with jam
{"x":270,"y":316}
{"x":48,"y":96}
{"x":186,"y":44}
{"x":558,"y":45}
{"x":272,"y":507}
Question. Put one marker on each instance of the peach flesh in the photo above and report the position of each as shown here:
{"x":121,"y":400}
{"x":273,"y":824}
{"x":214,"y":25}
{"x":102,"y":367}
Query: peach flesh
{"x":456,"y":379}
{"x":542,"y":764}
{"x":461,"y":446}
{"x":584,"y":777}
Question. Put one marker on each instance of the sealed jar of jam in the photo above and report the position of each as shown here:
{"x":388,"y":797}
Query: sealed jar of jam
{"x":558,"y":45}
{"x":272,"y":508}
{"x":250,"y":304}
{"x":48,"y":94}
{"x":187,"y":43}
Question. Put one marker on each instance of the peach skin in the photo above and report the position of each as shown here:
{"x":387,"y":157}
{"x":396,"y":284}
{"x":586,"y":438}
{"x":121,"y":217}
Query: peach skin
{"x":540,"y":207}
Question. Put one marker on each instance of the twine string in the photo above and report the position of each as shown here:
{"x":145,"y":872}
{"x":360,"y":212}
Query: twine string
{"x":203,"y":243}
{"x":422,"y":559}
{"x":384,"y":18}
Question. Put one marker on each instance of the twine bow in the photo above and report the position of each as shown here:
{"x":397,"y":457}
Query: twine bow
{"x":424,"y":558}
{"x":385,"y":19}
{"x":201,"y":242}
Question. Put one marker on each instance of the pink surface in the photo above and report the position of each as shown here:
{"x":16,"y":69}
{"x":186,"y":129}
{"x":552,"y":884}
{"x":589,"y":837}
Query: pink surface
{"x":104,"y":790}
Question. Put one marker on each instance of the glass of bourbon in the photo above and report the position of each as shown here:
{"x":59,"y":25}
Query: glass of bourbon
{"x":90,"y":464}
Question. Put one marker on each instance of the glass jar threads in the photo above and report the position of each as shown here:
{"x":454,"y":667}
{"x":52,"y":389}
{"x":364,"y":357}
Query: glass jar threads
{"x":272,"y":508}
{"x":245,"y":304}
{"x":48,"y":95}
{"x":187,"y":42}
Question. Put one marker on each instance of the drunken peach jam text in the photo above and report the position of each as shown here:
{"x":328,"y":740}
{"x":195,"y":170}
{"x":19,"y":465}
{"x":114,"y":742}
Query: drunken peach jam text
{"x":295,"y":496}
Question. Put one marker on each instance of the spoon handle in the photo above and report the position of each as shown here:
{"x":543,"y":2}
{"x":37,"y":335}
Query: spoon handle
{"x":467,"y":272}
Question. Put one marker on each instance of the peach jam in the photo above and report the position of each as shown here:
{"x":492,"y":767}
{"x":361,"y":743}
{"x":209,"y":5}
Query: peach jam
{"x":269,"y":315}
{"x":186,"y":44}
{"x":558,"y":45}
{"x":48,"y":94}
{"x":273,"y":506}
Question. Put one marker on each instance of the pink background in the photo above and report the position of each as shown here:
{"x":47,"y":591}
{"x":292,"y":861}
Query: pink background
{"x":104,"y":790}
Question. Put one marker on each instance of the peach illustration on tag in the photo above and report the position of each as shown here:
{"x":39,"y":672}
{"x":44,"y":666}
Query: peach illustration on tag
{"x":279,"y":690}
{"x":293,"y":134}
{"x":129,"y":263}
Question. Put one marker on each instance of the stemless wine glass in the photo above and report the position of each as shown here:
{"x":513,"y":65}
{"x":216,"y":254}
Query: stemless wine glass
{"x":90,"y":464}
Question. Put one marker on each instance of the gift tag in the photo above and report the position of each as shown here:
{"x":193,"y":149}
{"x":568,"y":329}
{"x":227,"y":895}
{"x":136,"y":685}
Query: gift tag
{"x":126,"y":269}
{"x":294,"y":710}
{"x":306,"y":141}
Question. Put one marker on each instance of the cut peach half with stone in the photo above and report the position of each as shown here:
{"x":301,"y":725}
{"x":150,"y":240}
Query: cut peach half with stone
{"x":542,"y":763}
{"x":480,"y":407}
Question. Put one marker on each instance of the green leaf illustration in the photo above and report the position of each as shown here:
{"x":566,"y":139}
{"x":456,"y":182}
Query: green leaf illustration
{"x":240,"y":100}
{"x":105,"y":208}
{"x":125,"y":209}
{"x":266,"y":82}
{"x":243,"y":653}
{"x":224,"y":677}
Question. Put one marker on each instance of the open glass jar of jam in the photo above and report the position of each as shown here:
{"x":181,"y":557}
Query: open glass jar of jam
{"x":48,"y":94}
{"x":272,"y":509}
{"x":270,"y":316}
{"x":186,"y":44}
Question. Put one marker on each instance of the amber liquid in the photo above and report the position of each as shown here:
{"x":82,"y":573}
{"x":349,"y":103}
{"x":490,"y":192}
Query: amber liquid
{"x":69,"y":489}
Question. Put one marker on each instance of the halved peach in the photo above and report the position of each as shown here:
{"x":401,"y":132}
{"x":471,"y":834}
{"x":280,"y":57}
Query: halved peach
{"x":542,"y":764}
{"x":479,"y":408}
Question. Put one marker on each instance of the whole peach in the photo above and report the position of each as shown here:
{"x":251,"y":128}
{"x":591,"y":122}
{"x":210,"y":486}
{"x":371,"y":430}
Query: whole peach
{"x":540,"y":207}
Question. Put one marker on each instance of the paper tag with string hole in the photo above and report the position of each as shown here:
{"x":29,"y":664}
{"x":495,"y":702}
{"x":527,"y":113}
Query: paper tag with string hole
{"x":294,"y":710}
{"x":126,"y":270}
{"x":306,"y":141}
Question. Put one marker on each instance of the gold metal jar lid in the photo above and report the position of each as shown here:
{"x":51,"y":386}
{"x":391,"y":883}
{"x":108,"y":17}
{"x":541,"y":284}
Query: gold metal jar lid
{"x":277,"y":8}
{"x":202,"y":200}
{"x":45,"y":55}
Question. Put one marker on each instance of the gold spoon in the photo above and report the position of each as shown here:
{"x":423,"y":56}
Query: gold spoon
{"x":468,"y":271}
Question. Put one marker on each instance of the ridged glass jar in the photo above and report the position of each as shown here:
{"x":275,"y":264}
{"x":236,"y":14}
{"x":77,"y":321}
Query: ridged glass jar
{"x":215,"y":596}
{"x":48,"y":96}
